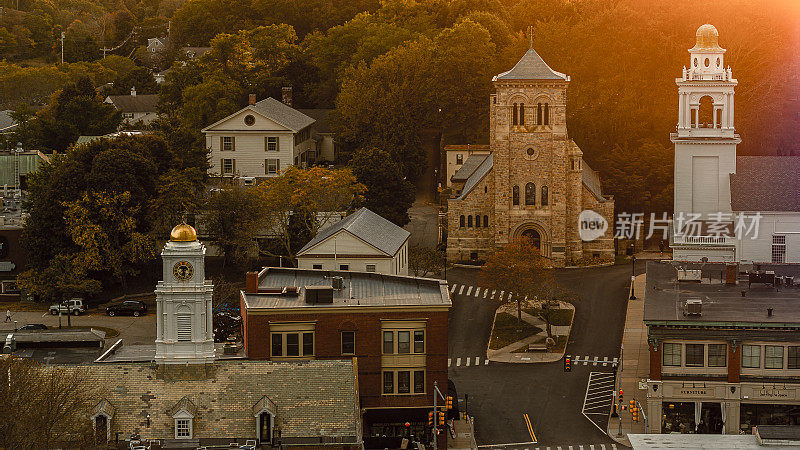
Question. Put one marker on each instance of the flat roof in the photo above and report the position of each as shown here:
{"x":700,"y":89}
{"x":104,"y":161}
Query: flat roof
{"x":665,"y":296}
{"x":359,"y":289}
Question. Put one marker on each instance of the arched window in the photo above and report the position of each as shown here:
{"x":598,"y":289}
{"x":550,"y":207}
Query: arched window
{"x":544,"y":196}
{"x":514,"y":115}
{"x":530,"y":194}
{"x":515,"y":196}
{"x":522,"y":113}
{"x":539,"y":114}
{"x":547,"y":114}
{"x":461,"y":221}
{"x":485,"y":221}
{"x":705,"y":113}
{"x":477,"y":220}
{"x":469,"y":221}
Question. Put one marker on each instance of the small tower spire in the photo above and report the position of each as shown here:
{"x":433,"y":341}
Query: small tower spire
{"x":530,"y":34}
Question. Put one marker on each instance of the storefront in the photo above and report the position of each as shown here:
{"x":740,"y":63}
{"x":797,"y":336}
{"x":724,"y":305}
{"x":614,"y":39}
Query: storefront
{"x":691,"y":417}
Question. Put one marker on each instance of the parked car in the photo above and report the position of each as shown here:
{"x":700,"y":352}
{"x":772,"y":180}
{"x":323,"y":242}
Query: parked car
{"x":128,"y":307}
{"x":72,"y":306}
{"x":33,"y":327}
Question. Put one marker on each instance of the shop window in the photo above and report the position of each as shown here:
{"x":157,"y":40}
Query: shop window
{"x":793,"y":358}
{"x":348,"y":342}
{"x":773,"y":357}
{"x":672,"y":354}
{"x":695,"y":355}
{"x":751,"y":356}
{"x":717,"y":355}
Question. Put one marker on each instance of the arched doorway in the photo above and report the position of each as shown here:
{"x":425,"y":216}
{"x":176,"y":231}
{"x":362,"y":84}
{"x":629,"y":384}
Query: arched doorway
{"x":534,"y":236}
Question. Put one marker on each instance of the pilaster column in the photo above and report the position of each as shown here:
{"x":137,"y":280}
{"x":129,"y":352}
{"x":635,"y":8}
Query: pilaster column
{"x":655,"y":359}
{"x":734,"y":359}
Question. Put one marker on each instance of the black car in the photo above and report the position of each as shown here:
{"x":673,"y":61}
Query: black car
{"x":130,"y":307}
{"x":33,"y":327}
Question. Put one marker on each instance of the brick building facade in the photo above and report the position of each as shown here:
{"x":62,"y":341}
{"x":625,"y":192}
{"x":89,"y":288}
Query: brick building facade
{"x":393,"y":327}
{"x":535,"y":182}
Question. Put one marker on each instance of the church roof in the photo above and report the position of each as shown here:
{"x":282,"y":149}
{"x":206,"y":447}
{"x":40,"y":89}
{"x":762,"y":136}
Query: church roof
{"x":367,"y":226}
{"x":766,"y":183}
{"x":468,"y":168}
{"x":591,"y":180}
{"x":477,"y":176}
{"x":531,"y":67}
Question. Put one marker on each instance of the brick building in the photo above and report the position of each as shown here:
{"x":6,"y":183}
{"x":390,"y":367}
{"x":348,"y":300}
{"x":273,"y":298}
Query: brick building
{"x":393,"y":327}
{"x":535,"y":182}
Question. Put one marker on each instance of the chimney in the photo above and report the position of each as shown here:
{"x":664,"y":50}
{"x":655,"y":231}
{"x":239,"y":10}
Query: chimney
{"x":252,"y":100}
{"x":286,"y":95}
{"x":251,"y":283}
{"x":133,"y":91}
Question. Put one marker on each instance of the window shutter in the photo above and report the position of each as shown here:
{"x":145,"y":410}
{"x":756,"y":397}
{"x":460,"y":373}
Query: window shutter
{"x":266,"y":167}
{"x":222,"y":166}
{"x":233,"y":165}
{"x":277,"y":144}
{"x":278,"y":166}
{"x":221,"y":143}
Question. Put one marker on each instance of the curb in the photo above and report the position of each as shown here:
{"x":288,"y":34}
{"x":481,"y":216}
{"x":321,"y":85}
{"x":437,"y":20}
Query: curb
{"x":468,"y":266}
{"x":608,"y":264}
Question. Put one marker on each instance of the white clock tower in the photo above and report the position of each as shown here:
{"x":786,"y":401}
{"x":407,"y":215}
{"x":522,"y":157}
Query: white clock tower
{"x":184,"y":332}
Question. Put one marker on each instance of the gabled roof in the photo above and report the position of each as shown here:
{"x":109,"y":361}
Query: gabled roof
{"x":274,"y":110}
{"x":140,"y":103}
{"x":766,"y":183}
{"x":468,"y":168}
{"x":531,"y":67}
{"x":367,"y":226}
{"x":6,"y":122}
{"x":477,"y":176}
{"x":320,"y":115}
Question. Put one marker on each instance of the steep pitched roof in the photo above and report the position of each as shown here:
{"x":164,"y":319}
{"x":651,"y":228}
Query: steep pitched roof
{"x":477,"y":176}
{"x":591,"y":180}
{"x":140,"y":103}
{"x":531,"y":67}
{"x":369,"y":227}
{"x":6,"y":122}
{"x":283,"y":114}
{"x":468,"y":168}
{"x":766,"y":183}
{"x":321,"y":116}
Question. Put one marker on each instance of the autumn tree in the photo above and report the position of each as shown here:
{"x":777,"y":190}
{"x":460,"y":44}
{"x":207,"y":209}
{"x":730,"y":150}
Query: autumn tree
{"x":232,"y":217}
{"x":388,"y":192}
{"x":424,"y":261}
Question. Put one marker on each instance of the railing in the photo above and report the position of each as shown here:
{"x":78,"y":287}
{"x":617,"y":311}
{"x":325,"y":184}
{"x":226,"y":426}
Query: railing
{"x":704,"y":240}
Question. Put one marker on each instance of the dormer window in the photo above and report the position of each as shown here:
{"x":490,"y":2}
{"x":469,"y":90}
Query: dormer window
{"x":183,"y":414}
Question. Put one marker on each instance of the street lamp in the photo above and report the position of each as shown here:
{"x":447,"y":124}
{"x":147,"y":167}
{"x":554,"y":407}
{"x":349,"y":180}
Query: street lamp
{"x":633,"y":269}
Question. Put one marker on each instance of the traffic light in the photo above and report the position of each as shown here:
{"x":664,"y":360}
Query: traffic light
{"x":632,"y":403}
{"x":449,"y":402}
{"x":430,"y":418}
{"x":635,"y":412}
{"x":441,"y":417}
{"x":567,"y":364}
{"x":620,"y":395}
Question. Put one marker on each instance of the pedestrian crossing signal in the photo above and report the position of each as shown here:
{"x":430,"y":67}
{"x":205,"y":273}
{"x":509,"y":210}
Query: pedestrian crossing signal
{"x":567,"y":364}
{"x":430,"y":418}
{"x":441,"y":417}
{"x":449,"y":402}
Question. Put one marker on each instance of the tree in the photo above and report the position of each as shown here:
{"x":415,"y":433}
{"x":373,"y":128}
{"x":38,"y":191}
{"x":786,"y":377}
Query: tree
{"x":388,"y":193}
{"x":519,"y":268}
{"x":425,"y":260}
{"x":45,"y":407}
{"x":233,"y":217}
{"x":140,"y":78}
{"x":64,"y":278}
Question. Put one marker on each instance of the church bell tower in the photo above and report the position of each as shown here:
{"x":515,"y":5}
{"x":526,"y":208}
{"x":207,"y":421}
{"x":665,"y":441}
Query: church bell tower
{"x":184,"y":331}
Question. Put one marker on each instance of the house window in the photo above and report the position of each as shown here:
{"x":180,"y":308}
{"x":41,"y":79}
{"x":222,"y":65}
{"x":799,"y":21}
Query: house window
{"x":404,"y":378}
{"x":228,"y":143}
{"x":419,"y":341}
{"x":485,"y":221}
{"x":272,"y":165}
{"x":514,"y":117}
{"x":403,"y":340}
{"x":308,"y":344}
{"x":773,"y":357}
{"x":292,"y":340}
{"x":183,"y":428}
{"x":545,"y":200}
{"x":348,"y":342}
{"x":530,"y":194}
{"x":344,"y":266}
{"x":779,"y":249}
{"x":672,"y":354}
{"x":717,"y":355}
{"x":228,"y":166}
{"x":388,"y":342}
{"x":459,"y":159}
{"x":515,"y":196}
{"x":127,"y":115}
{"x":461,"y":221}
{"x":271,"y":143}
{"x":277,"y":344}
{"x":388,"y":382}
{"x":317,"y":266}
{"x":751,"y":356}
{"x":522,"y":113}
{"x":695,"y":355}
{"x":419,"y":381}
{"x":292,"y":344}
{"x":370,"y":267}
{"x":184,"y":325}
{"x":793,"y":358}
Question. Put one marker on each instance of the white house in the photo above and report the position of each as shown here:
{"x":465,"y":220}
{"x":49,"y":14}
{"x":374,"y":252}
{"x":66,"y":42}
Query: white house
{"x":135,"y":107}
{"x":362,"y":241}
{"x":457,"y":156}
{"x":261,"y":140}
{"x":713,"y":185}
{"x":157,"y":44}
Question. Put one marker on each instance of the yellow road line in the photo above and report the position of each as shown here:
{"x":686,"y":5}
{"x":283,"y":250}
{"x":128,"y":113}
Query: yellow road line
{"x":530,"y":428}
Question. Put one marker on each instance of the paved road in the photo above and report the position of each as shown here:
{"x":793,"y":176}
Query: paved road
{"x":500,"y":395}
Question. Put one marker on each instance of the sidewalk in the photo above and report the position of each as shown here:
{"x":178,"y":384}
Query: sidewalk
{"x":507,"y":354}
{"x":465,"y":434}
{"x":635,"y":366}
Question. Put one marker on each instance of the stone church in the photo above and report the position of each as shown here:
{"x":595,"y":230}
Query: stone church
{"x":534,"y":182}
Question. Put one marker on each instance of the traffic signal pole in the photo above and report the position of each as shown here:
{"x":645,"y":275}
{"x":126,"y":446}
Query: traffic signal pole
{"x":436,"y":392}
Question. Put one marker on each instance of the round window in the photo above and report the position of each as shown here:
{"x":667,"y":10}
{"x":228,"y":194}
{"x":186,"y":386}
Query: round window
{"x":718,"y":61}
{"x":530,"y":151}
{"x":249,"y":119}
{"x":695,"y":62}
{"x":707,"y":62}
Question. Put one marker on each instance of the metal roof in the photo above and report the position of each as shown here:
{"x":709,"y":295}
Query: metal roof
{"x":468,"y":168}
{"x":360,"y":289}
{"x":531,"y":67}
{"x":6,"y":122}
{"x":283,"y":114}
{"x":484,"y":168}
{"x":591,"y":180}
{"x":29,"y":161}
{"x":766,"y":183}
{"x":367,"y":226}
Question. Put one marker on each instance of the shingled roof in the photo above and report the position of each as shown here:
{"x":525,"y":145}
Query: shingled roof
{"x":367,"y":226}
{"x":766,"y":183}
{"x":468,"y":168}
{"x":140,"y":103}
{"x":313,"y":399}
{"x":484,"y":168}
{"x":531,"y":67}
{"x":283,"y":114}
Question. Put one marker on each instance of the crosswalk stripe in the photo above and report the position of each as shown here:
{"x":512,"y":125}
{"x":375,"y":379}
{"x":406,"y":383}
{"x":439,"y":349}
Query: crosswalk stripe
{"x":486,"y":362}
{"x":591,"y":447}
{"x":449,"y":361}
{"x":595,"y":361}
{"x":605,"y":361}
{"x":477,"y":291}
{"x":615,"y":360}
{"x":493,"y":292}
{"x":469,"y":290}
{"x":461,"y":290}
{"x":458,"y":362}
{"x":485,"y":293}
{"x":477,"y":360}
{"x":467,"y":365}
{"x":501,"y":295}
{"x":453,"y":289}
{"x":580,"y":447}
{"x":603,"y":446}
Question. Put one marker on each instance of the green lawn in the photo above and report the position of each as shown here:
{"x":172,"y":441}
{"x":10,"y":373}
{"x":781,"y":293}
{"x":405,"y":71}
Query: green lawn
{"x":558,"y":317}
{"x":505,"y":331}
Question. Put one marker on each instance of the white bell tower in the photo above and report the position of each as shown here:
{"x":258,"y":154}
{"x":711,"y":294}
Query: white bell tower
{"x":705,"y":138}
{"x":184,"y":331}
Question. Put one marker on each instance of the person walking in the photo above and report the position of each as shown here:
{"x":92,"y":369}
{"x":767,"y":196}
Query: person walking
{"x":8,"y":315}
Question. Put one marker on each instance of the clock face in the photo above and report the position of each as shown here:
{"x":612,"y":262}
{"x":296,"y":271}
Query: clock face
{"x":183,"y":271}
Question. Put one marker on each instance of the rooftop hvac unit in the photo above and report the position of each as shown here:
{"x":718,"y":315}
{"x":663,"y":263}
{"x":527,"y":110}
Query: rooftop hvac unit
{"x":694,"y":307}
{"x":689,"y":274}
{"x":337,"y":283}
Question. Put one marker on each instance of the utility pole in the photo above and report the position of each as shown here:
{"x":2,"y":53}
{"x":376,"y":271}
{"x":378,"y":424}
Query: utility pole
{"x":62,"y":48}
